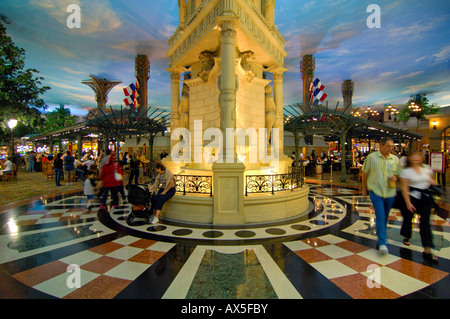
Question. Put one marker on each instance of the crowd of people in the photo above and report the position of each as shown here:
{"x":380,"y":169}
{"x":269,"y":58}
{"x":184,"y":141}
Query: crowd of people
{"x":70,"y":168}
{"x":381,"y":170}
{"x":102,"y":175}
{"x":309,"y":163}
{"x":392,"y":180}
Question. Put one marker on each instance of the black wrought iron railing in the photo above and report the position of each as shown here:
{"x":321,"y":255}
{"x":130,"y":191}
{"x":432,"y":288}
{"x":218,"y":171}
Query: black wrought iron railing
{"x":193,"y":184}
{"x":274,"y":183}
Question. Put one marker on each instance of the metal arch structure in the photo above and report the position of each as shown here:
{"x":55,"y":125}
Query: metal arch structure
{"x":115,"y":123}
{"x":128,"y":121}
{"x":143,"y":122}
{"x":334,"y":124}
{"x":101,"y":88}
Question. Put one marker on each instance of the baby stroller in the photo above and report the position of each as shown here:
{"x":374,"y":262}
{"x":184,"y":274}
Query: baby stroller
{"x":141,"y":199}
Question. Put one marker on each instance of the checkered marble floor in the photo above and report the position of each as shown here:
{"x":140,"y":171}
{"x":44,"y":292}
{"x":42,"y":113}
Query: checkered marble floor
{"x":58,"y":248}
{"x":104,"y":270}
{"x":361,"y":271}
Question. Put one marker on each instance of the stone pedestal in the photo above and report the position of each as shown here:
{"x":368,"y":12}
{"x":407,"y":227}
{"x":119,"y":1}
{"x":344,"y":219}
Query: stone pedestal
{"x":228,"y":185}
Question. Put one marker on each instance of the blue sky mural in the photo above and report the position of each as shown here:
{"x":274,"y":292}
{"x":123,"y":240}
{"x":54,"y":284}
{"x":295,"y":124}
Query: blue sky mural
{"x":408,"y":54}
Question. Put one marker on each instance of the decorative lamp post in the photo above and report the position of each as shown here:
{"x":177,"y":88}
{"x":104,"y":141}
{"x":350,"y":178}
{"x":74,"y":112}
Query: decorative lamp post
{"x":415,"y":109}
{"x":391,"y":110}
{"x":12,"y":124}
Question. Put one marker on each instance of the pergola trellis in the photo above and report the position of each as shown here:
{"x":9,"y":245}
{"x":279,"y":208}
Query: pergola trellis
{"x":334,"y":124}
{"x":115,"y":124}
{"x":118,"y":123}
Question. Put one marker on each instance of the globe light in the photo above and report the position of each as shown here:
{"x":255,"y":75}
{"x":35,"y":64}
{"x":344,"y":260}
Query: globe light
{"x":12,"y":123}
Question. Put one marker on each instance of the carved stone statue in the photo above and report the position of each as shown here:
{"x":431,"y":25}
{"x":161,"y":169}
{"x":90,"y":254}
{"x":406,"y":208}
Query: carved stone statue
{"x":270,"y":109}
{"x":183,"y":109}
{"x":207,"y":60}
{"x":247,"y":59}
{"x":270,"y":12}
{"x":182,"y":6}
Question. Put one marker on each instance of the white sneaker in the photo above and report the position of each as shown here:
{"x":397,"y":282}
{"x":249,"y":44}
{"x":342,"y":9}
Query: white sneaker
{"x":383,"y":250}
{"x":154,"y":220}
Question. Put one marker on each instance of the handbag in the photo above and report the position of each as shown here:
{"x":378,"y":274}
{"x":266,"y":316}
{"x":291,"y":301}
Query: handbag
{"x":435,"y":190}
{"x":118,"y":177}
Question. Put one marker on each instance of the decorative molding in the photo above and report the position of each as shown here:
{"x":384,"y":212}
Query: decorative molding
{"x":206,"y":19}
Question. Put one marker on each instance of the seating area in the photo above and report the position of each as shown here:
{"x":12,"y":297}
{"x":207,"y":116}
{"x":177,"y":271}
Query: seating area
{"x":10,"y":176}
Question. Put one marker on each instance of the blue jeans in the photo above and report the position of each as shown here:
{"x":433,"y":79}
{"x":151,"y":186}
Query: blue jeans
{"x":80,"y":173}
{"x":382,"y":207}
{"x":31,"y":168}
{"x":58,"y":173}
{"x":161,"y":199}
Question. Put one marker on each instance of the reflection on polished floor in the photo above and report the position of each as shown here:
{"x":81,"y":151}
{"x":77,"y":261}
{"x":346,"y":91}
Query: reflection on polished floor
{"x":57,"y":248}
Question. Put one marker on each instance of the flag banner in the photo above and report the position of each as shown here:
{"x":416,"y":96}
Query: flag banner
{"x":316,"y":91}
{"x":129,"y":89}
{"x":131,"y":95}
{"x":128,"y":100}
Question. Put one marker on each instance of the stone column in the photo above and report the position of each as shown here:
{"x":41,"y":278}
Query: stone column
{"x":227,"y":98}
{"x":228,"y":183}
{"x":278,"y":97}
{"x":174,"y":102}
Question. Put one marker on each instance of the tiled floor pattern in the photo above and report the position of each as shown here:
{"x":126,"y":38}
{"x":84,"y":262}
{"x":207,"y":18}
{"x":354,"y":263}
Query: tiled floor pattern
{"x":361,"y":271}
{"x":104,"y":270}
{"x":49,"y":248}
{"x":323,"y":212}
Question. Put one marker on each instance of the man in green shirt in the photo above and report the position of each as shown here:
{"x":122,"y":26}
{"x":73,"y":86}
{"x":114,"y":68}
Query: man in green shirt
{"x":379,"y":174}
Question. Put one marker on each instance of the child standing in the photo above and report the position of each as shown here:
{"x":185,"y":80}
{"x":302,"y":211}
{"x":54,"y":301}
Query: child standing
{"x":89,"y":189}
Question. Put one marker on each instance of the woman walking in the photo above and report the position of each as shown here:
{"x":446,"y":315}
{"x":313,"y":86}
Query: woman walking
{"x":167,"y":181}
{"x":111,"y":182}
{"x":416,"y":179}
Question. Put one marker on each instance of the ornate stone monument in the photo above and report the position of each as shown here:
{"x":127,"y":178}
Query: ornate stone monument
{"x":228,"y":47}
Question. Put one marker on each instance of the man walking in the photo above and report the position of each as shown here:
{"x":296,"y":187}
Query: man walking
{"x":379,"y":174}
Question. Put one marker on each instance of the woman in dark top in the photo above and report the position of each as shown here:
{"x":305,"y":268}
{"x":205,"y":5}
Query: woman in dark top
{"x":134,"y":169}
{"x":58,"y":165}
